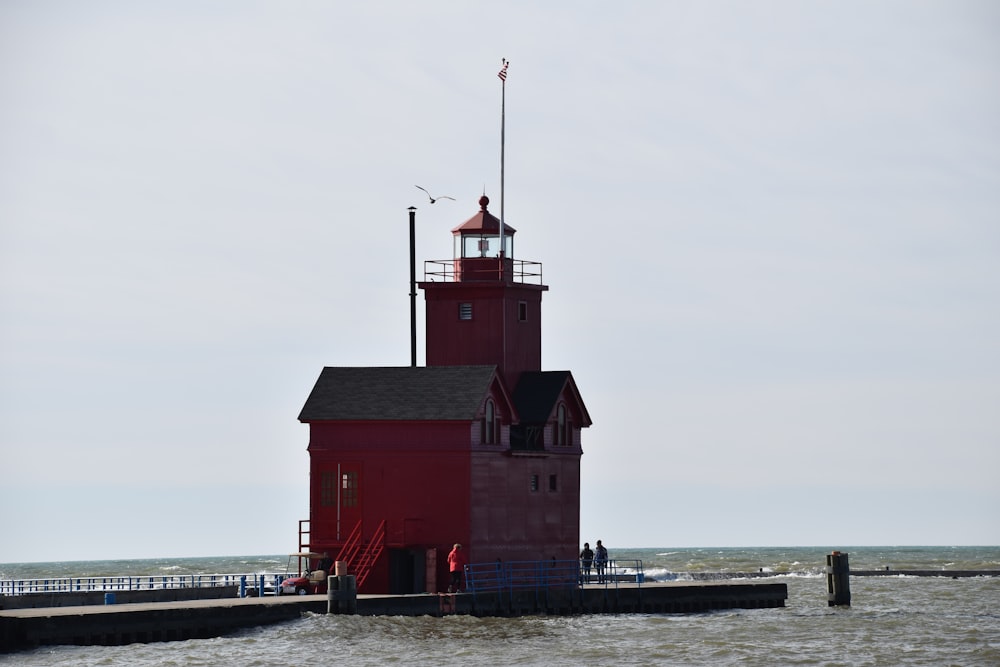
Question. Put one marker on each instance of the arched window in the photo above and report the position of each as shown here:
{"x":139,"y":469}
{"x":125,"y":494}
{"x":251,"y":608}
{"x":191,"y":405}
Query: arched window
{"x":490,"y":425}
{"x":562,"y":426}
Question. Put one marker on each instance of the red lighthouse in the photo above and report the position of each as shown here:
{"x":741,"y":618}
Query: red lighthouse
{"x":479,"y":447}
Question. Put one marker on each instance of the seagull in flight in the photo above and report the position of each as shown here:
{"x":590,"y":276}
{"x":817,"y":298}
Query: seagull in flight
{"x":434,"y":199}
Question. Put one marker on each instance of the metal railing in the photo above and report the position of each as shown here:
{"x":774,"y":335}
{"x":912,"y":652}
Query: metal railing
{"x":266,"y":581}
{"x":500,"y":577}
{"x":516,"y":270}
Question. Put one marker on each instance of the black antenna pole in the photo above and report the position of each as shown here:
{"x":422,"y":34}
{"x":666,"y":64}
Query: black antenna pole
{"x":413,"y":287}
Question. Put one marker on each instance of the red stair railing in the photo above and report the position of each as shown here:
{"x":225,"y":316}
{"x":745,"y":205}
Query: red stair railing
{"x":370,"y":555}
{"x":360,"y":557}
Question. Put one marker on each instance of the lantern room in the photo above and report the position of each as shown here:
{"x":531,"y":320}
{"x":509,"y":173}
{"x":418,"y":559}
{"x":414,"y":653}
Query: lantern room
{"x":484,"y":247}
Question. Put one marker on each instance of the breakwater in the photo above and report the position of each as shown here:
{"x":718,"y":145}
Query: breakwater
{"x":951,"y":574}
{"x":168,"y":621}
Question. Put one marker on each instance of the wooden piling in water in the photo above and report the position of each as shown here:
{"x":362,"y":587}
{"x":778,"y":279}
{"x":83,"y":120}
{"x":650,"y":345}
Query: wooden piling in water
{"x":838,"y":579}
{"x":342,"y":594}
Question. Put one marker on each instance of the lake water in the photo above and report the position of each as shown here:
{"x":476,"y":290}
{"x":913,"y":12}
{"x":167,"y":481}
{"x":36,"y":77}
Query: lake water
{"x":892,"y":621}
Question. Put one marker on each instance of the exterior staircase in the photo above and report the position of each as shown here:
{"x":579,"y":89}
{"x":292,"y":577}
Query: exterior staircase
{"x":361,"y":556}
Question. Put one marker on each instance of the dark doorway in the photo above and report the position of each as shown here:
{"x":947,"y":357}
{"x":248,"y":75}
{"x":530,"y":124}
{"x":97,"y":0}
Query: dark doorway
{"x":406,"y":571}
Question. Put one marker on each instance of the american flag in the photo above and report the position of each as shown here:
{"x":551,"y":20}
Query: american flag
{"x":503,"y":71}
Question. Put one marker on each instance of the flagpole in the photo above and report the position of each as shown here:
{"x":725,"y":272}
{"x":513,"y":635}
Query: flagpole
{"x":501,"y":251}
{"x":503,"y":121}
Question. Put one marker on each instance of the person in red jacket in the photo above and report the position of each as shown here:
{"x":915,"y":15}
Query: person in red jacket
{"x":456,"y":563}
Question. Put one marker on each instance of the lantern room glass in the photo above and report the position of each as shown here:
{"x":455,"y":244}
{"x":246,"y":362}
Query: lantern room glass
{"x":483,"y":245}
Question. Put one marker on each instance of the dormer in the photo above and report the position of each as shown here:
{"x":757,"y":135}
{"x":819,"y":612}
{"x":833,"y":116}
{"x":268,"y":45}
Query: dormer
{"x":551,"y":414}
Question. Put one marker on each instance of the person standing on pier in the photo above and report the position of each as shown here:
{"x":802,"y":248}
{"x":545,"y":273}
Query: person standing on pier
{"x":586,"y":560}
{"x":456,"y":563}
{"x":600,"y":561}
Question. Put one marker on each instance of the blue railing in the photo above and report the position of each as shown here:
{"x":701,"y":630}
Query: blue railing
{"x":500,"y":577}
{"x":266,"y":582}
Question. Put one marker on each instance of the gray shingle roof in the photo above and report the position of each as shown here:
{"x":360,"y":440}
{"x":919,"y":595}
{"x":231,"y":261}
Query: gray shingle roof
{"x":398,"y":393}
{"x":537,"y":392}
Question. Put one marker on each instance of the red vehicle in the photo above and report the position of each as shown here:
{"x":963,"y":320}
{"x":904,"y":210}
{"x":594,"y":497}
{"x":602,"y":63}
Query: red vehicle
{"x":300,"y":579}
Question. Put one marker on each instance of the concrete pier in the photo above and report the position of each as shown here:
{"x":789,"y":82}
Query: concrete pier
{"x":951,"y":574}
{"x":654,"y":598}
{"x":168,"y":621}
{"x":112,"y":625}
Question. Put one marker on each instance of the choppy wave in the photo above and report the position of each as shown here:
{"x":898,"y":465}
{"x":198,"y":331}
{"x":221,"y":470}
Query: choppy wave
{"x":659,"y":564}
{"x":145,"y":567}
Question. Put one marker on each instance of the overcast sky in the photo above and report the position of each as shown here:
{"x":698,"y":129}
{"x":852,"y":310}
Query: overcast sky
{"x":771,"y":232}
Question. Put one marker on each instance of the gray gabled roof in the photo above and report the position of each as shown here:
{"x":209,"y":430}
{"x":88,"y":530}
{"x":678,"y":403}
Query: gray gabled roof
{"x":406,"y":393}
{"x":537,"y":392}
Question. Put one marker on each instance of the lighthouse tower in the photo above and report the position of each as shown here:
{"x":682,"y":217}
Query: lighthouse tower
{"x":483,"y":306}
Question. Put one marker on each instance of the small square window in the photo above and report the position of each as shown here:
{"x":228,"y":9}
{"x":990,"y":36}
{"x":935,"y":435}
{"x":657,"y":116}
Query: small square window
{"x":465,"y":311}
{"x":522,"y":311}
{"x":553,"y":483}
